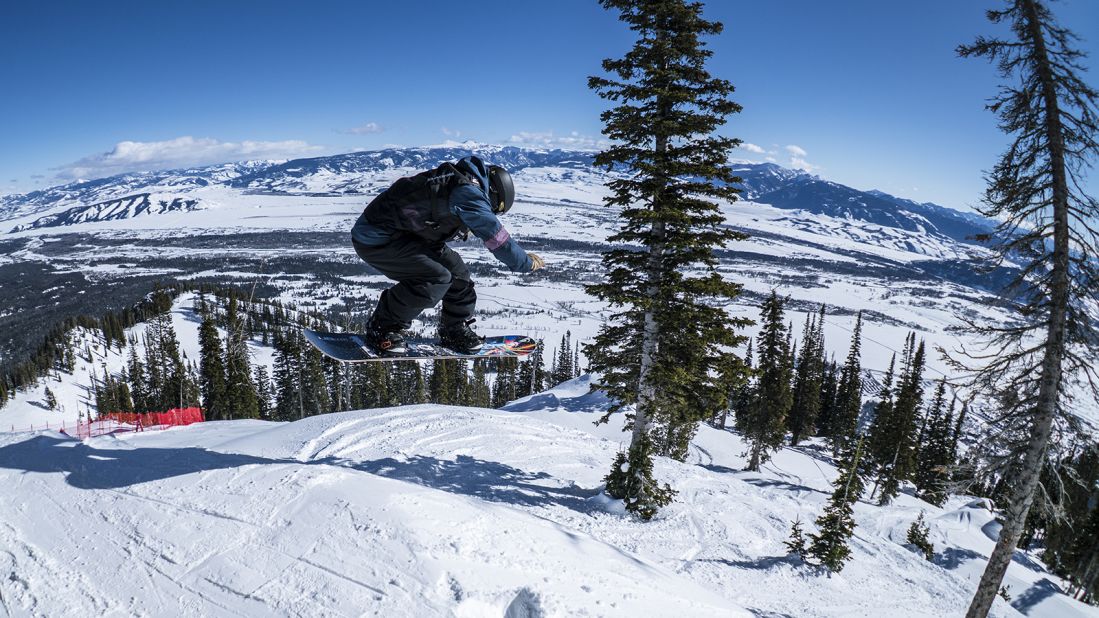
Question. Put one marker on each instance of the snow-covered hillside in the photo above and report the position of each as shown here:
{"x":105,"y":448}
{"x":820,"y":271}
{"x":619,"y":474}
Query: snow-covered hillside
{"x":445,"y":511}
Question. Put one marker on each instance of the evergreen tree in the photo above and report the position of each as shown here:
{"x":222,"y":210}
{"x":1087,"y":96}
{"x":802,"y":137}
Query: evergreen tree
{"x":383,"y":383}
{"x":264,"y":399}
{"x":407,"y":383}
{"x":919,"y":536}
{"x":1046,"y":223}
{"x":532,"y":373}
{"x":763,"y":423}
{"x":896,"y":441}
{"x":503,"y":387}
{"x":837,"y":523}
{"x":659,"y":351}
{"x":848,"y":405}
{"x":563,"y":370}
{"x":51,"y":399}
{"x":192,"y":395}
{"x":576,"y":370}
{"x":211,"y":369}
{"x":338,"y":377}
{"x":314,"y":385}
{"x":123,"y":402}
{"x":240,"y":390}
{"x":167,"y":384}
{"x":441,"y":385}
{"x":136,"y":373}
{"x":742,"y":398}
{"x":829,"y":384}
{"x":288,"y":373}
{"x":808,"y":377}
{"x":364,"y":385}
{"x":154,"y":370}
{"x":735,"y":378}
{"x":934,"y":458}
{"x":638,"y":488}
{"x":461,"y":392}
{"x":796,"y":543}
{"x":878,"y":438}
{"x":479,"y":394}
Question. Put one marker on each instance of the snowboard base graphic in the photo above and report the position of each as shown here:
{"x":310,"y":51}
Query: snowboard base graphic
{"x":352,"y":348}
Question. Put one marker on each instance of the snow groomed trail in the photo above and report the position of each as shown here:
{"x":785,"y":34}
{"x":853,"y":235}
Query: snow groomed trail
{"x":447,"y":511}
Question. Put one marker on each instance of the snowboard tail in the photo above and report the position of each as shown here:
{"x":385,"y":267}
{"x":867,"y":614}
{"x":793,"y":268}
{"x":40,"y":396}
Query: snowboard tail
{"x":352,"y":348}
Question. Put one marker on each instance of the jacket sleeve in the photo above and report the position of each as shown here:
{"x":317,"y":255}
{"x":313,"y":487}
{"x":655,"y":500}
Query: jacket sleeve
{"x":472,"y":207}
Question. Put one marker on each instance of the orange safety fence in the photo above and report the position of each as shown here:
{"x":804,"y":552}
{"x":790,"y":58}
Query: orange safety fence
{"x":114,"y":422}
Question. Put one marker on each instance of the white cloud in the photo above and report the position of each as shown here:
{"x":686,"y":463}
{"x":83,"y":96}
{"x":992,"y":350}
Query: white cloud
{"x":796,"y":150}
{"x":752,"y":148}
{"x":799,"y":163}
{"x":184,"y":151}
{"x":547,"y":139}
{"x":451,"y":132}
{"x":365,"y":129}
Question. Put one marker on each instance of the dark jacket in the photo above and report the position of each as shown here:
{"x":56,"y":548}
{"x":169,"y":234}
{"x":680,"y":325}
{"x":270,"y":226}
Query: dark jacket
{"x":470,"y":204}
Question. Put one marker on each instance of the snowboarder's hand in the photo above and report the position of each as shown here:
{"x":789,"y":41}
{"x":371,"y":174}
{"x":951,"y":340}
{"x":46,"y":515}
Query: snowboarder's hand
{"x":536,"y":262}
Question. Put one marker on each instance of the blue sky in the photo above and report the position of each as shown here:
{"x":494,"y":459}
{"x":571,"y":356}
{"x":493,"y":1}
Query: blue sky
{"x":863,"y":92}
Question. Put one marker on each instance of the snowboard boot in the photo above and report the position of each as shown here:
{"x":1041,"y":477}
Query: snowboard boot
{"x":460,"y":337}
{"x":385,"y":341}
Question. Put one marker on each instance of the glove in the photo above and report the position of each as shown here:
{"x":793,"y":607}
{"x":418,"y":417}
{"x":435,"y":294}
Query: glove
{"x":536,"y":261}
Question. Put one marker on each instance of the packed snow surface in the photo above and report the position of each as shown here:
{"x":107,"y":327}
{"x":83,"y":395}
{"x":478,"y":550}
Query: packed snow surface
{"x":447,"y":511}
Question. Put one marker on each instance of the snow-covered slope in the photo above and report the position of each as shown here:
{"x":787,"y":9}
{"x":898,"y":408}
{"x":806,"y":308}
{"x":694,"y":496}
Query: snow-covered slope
{"x":446,"y":511}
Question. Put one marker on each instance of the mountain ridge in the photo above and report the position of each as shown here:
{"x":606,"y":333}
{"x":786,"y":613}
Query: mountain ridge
{"x":368,"y":172}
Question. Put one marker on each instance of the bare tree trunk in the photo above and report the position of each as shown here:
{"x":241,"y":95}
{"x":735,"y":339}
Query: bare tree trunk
{"x":753,"y":464}
{"x":1089,"y":577}
{"x":651,"y":331}
{"x":1049,"y":390}
{"x":646,"y":393}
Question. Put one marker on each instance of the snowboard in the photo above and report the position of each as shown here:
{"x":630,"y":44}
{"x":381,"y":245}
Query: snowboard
{"x":352,"y":348}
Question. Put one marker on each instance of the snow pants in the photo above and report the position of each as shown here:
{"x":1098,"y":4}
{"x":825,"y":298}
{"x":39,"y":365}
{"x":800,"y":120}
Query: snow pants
{"x":425,"y":273}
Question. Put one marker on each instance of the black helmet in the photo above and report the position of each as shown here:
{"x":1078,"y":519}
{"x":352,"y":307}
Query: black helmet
{"x":501,"y":190}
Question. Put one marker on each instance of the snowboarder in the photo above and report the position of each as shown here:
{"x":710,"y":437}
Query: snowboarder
{"x":403,"y":234}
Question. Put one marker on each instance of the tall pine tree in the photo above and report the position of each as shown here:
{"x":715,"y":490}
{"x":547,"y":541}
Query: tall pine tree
{"x":836,"y":525}
{"x":1047,"y":224}
{"x":893,"y":437}
{"x":763,"y":424}
{"x":240,"y":389}
{"x":848,"y":402}
{"x":808,"y":376}
{"x":935,"y":456}
{"x":660,"y":349}
{"x":211,"y":368}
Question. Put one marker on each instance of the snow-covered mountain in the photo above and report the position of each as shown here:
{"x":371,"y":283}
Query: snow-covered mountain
{"x":141,"y":204}
{"x":86,"y":193}
{"x":350,"y":173}
{"x":367,"y":173}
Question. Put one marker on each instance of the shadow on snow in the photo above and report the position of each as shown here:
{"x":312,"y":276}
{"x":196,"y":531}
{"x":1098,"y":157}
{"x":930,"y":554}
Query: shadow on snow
{"x":488,"y":480}
{"x":87,"y":467}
